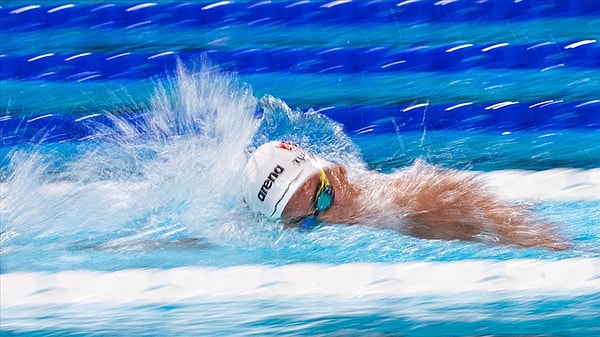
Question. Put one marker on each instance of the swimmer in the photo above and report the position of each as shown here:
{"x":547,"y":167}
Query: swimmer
{"x":283,"y":181}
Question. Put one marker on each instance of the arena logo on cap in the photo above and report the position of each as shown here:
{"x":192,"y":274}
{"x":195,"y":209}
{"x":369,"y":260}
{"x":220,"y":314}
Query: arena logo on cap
{"x":264,"y":189}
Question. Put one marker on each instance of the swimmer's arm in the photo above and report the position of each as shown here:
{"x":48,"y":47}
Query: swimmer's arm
{"x":456,"y":207}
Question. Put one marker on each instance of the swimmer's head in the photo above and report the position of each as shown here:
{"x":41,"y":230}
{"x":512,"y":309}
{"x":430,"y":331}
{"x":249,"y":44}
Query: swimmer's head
{"x":274,"y":172}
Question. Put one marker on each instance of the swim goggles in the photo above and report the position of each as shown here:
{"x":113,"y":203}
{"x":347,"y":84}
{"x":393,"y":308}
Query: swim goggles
{"x":323,"y":200}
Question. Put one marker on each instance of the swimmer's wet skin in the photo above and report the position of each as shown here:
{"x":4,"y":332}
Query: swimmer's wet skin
{"x":282,"y":180}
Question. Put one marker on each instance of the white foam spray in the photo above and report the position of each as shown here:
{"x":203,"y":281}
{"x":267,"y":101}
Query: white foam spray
{"x":154,"y":176}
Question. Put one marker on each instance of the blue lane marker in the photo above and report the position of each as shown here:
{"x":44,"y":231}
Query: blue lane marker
{"x":131,"y":65}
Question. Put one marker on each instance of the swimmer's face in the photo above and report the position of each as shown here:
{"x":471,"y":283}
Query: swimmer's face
{"x":313,"y":197}
{"x":301,"y":204}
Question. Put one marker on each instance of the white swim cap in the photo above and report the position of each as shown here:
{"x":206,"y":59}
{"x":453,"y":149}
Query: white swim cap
{"x":274,"y":173}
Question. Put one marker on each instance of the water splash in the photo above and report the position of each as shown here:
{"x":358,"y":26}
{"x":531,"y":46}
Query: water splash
{"x":181,"y":154}
{"x":170,"y":173}
{"x":311,"y":130}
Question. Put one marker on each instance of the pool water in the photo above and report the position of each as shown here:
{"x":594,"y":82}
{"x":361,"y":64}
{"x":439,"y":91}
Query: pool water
{"x":125,"y":128}
{"x":153,"y":191}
